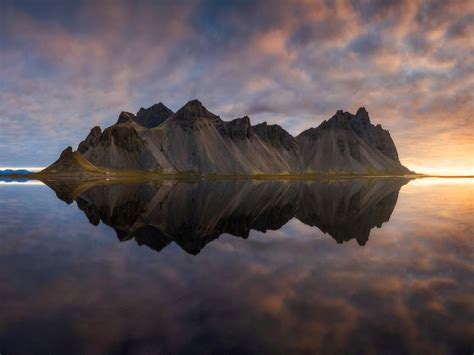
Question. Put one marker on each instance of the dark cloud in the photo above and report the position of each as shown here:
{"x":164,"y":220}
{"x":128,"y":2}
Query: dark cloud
{"x":376,"y":9}
{"x":366,"y":44}
{"x":462,"y":29}
{"x":432,"y":14}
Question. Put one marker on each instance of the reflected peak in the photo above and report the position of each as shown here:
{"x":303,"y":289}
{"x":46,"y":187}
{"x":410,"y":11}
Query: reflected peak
{"x":192,"y":214}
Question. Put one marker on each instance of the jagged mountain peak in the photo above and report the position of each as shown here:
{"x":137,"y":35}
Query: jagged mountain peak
{"x":192,"y":113}
{"x":193,"y":103}
{"x":241,"y":121}
{"x":71,"y":163}
{"x":362,"y":112}
{"x":237,"y":128}
{"x":126,"y":117}
{"x":66,"y":153}
{"x":362,"y":118}
{"x":275,"y":135}
{"x":149,"y":117}
{"x":153,"y":116}
{"x":341,"y":119}
{"x":92,"y":139}
{"x":154,"y":107}
{"x":344,"y":119}
{"x":194,"y":108}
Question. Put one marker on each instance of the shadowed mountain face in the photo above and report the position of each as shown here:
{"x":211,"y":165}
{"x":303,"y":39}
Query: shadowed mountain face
{"x":195,"y":139}
{"x":192,"y":214}
{"x":349,"y":143}
{"x":147,"y":117}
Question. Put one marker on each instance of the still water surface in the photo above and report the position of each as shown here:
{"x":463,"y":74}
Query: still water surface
{"x":350,"y":266}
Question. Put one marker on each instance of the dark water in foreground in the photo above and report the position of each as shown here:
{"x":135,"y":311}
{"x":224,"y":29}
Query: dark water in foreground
{"x":357,"y":266}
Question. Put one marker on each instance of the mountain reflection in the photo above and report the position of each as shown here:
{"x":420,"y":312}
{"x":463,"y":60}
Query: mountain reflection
{"x":192,"y":214}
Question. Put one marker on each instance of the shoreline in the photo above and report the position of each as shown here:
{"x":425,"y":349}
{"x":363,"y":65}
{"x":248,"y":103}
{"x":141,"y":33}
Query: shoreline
{"x":134,"y":176}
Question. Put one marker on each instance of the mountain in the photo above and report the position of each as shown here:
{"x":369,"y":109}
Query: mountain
{"x":348,"y":143}
{"x":14,"y":172}
{"x":194,"y":214}
{"x":147,"y":117}
{"x":194,"y":139}
{"x":72,"y":163}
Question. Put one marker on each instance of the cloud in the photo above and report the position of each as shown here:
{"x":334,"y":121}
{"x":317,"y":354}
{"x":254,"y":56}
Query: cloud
{"x":295,"y":62}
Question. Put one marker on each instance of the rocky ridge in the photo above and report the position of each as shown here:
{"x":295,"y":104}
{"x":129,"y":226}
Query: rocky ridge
{"x":194,"y":139}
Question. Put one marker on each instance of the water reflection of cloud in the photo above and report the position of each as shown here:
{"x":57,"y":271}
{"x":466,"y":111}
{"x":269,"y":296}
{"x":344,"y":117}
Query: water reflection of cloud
{"x":442,"y":181}
{"x":25,"y":182}
{"x":68,"y":283}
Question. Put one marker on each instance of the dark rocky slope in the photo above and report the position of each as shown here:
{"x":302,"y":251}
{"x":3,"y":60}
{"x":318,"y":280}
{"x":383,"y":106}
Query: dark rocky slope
{"x":147,"y":117}
{"x":348,"y":143}
{"x":194,"y":139}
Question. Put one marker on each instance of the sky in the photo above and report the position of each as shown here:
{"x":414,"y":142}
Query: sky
{"x":66,"y":66}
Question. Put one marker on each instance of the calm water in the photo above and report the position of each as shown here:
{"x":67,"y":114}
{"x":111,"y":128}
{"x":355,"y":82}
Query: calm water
{"x":358,"y":266}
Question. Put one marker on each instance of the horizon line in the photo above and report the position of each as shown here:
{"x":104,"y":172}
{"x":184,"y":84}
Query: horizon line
{"x":418,"y":175}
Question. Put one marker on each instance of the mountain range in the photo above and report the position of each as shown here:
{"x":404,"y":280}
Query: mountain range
{"x":195,"y":140}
